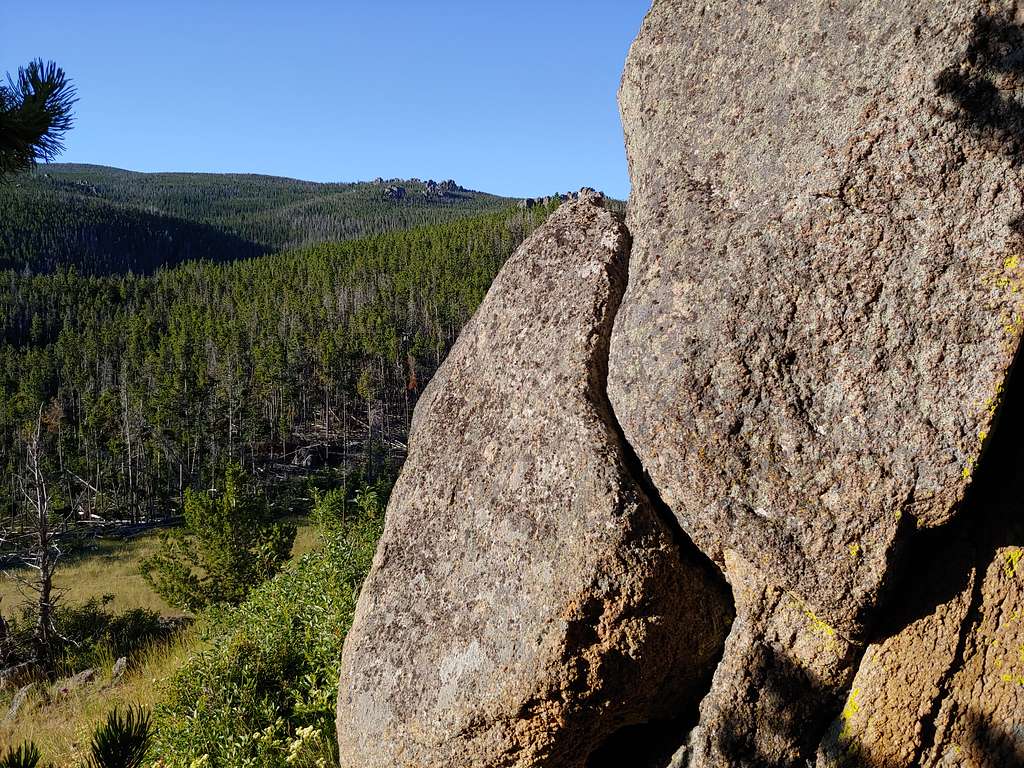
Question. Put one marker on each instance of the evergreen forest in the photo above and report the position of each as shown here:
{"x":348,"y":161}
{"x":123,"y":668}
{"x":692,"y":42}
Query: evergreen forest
{"x":149,"y":376}
{"x":109,"y":221}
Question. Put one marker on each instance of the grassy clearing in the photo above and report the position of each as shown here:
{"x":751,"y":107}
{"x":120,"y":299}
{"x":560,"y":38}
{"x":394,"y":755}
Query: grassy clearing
{"x":306,"y":537}
{"x":108,"y":567}
{"x":61,"y":724}
{"x":111,"y":567}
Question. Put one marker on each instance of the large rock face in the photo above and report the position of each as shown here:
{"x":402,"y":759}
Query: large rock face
{"x":824,"y":284}
{"x":526,"y":599}
{"x":823,"y":305}
{"x":811,"y":363}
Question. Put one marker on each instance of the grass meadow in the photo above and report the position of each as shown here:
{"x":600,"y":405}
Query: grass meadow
{"x":61,"y":722}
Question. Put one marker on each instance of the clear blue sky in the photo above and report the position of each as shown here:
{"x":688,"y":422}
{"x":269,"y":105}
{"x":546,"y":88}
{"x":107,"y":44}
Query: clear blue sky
{"x":516,"y":98}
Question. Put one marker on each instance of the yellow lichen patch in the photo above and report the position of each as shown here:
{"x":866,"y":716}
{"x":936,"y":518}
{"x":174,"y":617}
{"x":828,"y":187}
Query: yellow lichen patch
{"x":1006,"y":279}
{"x":1013,"y":324}
{"x":1012,"y":562}
{"x":817,"y":625}
{"x":969,"y":467}
{"x":854,"y":550}
{"x":851,"y":708}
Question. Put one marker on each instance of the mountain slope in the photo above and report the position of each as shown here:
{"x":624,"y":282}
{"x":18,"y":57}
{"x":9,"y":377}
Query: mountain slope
{"x":153,"y":382}
{"x":106,"y":220}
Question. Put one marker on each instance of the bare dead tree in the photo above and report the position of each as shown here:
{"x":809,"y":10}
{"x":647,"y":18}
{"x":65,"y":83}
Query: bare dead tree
{"x":6,"y":642}
{"x":38,"y":545}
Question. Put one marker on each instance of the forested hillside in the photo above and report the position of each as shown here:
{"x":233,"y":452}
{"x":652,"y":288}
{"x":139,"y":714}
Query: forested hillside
{"x":107,"y":221}
{"x":148,"y":384}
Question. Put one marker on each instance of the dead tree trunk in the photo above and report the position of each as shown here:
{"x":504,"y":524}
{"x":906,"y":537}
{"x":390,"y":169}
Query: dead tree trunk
{"x":41,"y":552}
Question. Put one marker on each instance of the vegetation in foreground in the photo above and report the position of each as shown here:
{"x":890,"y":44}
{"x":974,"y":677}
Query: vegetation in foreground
{"x":61,"y":722}
{"x":252,"y":685}
{"x":35,"y":113}
{"x":123,"y":741}
{"x":263,"y":690}
{"x":107,"y":611}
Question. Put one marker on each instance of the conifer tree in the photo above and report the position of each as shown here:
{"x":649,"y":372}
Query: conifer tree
{"x":231,"y":539}
{"x":35,"y":113}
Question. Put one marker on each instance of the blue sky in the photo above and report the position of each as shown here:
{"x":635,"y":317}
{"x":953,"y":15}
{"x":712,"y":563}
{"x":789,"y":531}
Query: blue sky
{"x":514,"y":98}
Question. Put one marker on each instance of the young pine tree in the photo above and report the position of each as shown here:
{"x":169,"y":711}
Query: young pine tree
{"x":228,"y":545}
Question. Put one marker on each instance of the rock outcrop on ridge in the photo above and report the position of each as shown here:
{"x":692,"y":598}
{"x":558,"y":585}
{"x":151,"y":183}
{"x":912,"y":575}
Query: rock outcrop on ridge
{"x":526,"y":599}
{"x":811,"y":366}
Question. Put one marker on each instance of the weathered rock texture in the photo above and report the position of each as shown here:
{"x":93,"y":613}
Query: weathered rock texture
{"x":980,"y":721}
{"x":823,"y":298}
{"x":526,"y":599}
{"x":823,"y":306}
{"x":782,"y":676}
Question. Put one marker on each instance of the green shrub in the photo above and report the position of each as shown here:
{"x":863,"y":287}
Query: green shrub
{"x":264,"y":694}
{"x":229,"y":544}
{"x":93,"y":633}
{"x":88,"y":634}
{"x":334,"y":507}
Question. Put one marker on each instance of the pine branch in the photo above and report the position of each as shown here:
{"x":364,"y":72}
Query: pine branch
{"x":35,"y":113}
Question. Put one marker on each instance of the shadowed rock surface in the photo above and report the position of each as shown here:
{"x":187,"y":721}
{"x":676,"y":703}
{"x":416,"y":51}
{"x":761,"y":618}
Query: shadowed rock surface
{"x":783,"y":673}
{"x":526,"y":599}
{"x":942,"y":682}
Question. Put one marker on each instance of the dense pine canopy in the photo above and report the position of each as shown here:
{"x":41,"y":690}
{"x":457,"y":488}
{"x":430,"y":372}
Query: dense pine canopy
{"x":150,"y":384}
